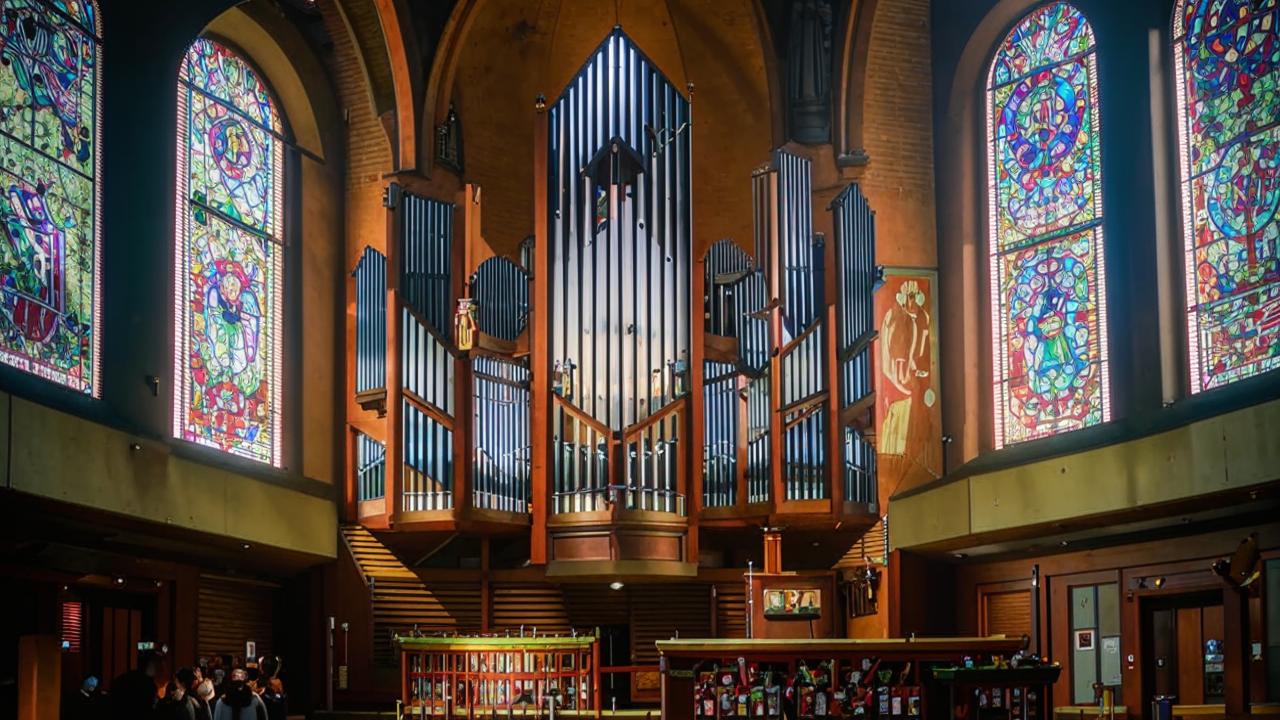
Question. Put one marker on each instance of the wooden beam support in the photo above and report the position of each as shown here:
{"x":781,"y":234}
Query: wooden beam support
{"x":1236,"y":646}
{"x":395,"y":409}
{"x":540,"y":351}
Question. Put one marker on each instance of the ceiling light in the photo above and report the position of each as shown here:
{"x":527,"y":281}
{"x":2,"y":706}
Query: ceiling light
{"x":245,"y":546}
{"x":959,"y":556}
{"x":615,"y":585}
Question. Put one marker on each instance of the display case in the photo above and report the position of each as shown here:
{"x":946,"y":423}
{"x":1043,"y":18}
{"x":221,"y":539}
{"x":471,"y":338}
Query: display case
{"x":468,"y":677}
{"x":766,"y":679}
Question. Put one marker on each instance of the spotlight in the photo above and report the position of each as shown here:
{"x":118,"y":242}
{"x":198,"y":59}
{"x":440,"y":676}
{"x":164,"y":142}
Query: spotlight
{"x":245,"y":546}
{"x":615,"y":585}
{"x":119,"y":581}
{"x":959,"y":556}
{"x":1159,"y":582}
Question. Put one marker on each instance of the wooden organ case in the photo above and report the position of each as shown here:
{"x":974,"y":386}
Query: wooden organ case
{"x":616,"y":392}
{"x":618,"y":246}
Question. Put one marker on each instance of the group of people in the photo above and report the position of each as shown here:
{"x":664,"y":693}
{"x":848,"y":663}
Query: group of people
{"x":201,"y":692}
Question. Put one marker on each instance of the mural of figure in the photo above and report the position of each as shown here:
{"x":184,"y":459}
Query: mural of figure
{"x":905,"y":356}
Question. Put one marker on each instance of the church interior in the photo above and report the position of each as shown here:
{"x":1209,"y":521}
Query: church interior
{"x":693,"y":359}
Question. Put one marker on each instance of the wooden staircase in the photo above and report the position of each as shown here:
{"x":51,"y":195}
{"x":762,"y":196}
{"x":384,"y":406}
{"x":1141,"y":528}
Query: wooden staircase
{"x":401,"y":601}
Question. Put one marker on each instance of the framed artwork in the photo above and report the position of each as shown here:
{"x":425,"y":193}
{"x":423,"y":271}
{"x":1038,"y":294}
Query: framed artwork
{"x":786,"y":603}
{"x":1084,"y":639}
{"x":908,"y":413}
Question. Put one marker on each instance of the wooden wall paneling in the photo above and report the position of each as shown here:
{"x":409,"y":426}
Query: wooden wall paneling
{"x":1190,"y":662}
{"x":1007,"y":612}
{"x":731,"y":610}
{"x":592,"y":606}
{"x":232,"y":611}
{"x":661,"y":612}
{"x":1258,"y":634}
{"x":529,"y":606}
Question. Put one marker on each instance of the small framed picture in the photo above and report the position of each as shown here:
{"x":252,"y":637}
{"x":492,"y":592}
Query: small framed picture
{"x":1084,"y":639}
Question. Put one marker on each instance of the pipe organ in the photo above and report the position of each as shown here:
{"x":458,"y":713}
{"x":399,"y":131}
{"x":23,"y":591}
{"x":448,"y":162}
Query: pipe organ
{"x":371,"y":329}
{"x":500,"y":429}
{"x":427,"y":360}
{"x":569,"y":388}
{"x":619,"y":251}
{"x":858,"y":278}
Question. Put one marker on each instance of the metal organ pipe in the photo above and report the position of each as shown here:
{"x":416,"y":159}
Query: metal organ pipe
{"x":788,"y":199}
{"x":859,"y":278}
{"x":371,"y":468}
{"x":500,"y":423}
{"x":620,"y":261}
{"x":371,"y":320}
{"x":427,"y":362}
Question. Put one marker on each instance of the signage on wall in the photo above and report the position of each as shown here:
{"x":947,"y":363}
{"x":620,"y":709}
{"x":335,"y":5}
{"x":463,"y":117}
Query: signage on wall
{"x":1084,"y":639}
{"x":803,"y":604}
{"x":250,"y":651}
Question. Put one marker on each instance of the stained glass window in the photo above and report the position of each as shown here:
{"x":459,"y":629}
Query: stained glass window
{"x":1227,"y":56}
{"x":1048,"y":301}
{"x":50,"y":258}
{"x":228,"y":250}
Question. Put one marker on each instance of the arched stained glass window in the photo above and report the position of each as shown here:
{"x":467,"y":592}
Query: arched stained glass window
{"x":1048,"y":298}
{"x":229,"y":257}
{"x":1227,"y":56}
{"x":51,"y":255}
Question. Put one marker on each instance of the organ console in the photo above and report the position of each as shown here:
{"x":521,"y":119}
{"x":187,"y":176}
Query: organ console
{"x":618,"y":388}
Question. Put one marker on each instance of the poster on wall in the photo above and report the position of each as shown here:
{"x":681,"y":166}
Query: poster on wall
{"x":804,"y":604}
{"x":1084,"y":640}
{"x":908,"y":414}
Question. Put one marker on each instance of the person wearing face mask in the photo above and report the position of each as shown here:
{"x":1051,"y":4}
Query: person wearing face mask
{"x":238,"y":700}
{"x":207,"y":697}
{"x":179,"y":703}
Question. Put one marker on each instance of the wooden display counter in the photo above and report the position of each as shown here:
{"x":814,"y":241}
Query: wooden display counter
{"x":470,"y":677}
{"x":889,"y":679}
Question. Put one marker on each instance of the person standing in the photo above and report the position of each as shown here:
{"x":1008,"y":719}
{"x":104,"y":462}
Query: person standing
{"x":85,"y":703}
{"x":271,"y":688}
{"x":238,"y":701}
{"x":207,"y":697}
{"x":133,"y":694}
{"x":178,"y":704}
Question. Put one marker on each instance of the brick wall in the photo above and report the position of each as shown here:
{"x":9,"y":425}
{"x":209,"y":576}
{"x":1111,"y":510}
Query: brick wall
{"x":898,"y":131}
{"x":368,"y":150}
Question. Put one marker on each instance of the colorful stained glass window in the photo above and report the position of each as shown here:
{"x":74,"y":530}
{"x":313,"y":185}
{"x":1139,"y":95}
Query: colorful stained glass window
{"x":1048,"y":300}
{"x":229,"y":257}
{"x":1227,"y":56}
{"x":51,"y":255}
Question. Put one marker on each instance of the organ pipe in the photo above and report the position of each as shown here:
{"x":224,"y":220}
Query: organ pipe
{"x":371,"y":321}
{"x":620,"y":258}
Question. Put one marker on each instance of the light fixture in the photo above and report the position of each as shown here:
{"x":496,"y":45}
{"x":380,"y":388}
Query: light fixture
{"x":245,"y":546}
{"x":1064,"y":543}
{"x":959,"y":556}
{"x":119,"y":581}
{"x":1159,"y":582}
{"x":615,"y":585}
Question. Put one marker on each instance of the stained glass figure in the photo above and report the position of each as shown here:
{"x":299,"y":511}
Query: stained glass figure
{"x":1227,"y":57}
{"x":229,"y":257}
{"x":1048,"y":300}
{"x":50,"y":255}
